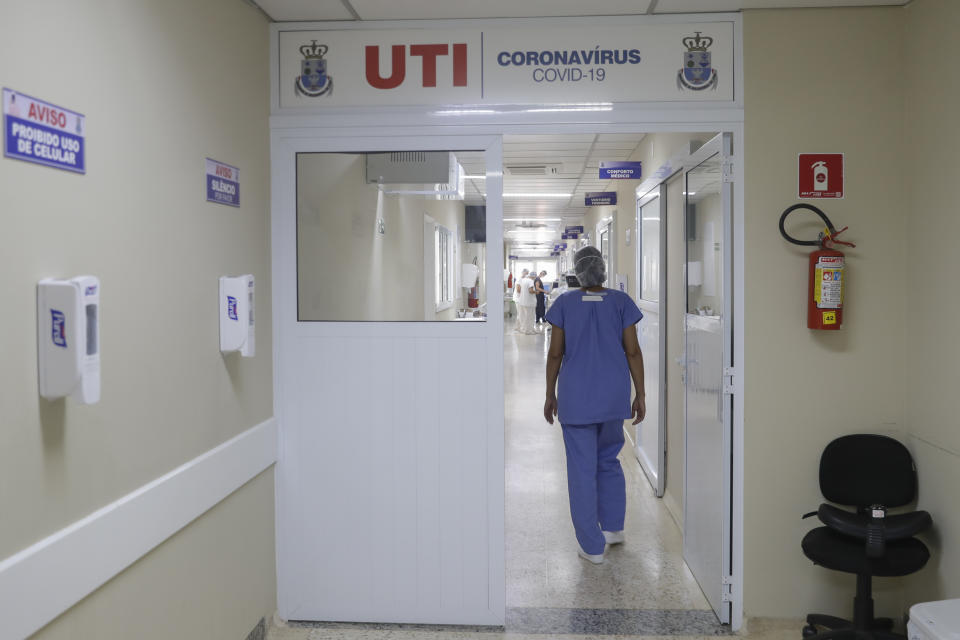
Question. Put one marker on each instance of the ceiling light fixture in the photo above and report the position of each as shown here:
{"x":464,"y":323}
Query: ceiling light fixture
{"x":599,"y":107}
{"x":464,"y":112}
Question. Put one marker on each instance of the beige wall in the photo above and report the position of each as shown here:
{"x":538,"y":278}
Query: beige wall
{"x":347,"y":270}
{"x":148,"y":77}
{"x":818,"y":81}
{"x":203,"y":582}
{"x":930,"y":229}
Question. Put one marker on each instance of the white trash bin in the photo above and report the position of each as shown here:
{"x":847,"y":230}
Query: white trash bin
{"x":934,"y":621}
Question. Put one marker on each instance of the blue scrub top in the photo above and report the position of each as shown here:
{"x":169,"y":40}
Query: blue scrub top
{"x":594,"y":384}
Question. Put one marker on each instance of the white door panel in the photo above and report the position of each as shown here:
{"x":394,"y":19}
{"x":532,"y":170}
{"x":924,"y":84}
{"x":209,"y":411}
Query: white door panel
{"x":390,"y":475}
{"x":651,"y":290}
{"x":708,"y":347}
{"x":649,"y":439}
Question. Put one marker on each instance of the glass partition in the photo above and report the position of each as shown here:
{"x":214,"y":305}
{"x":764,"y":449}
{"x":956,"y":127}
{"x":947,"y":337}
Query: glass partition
{"x":394,"y":236}
{"x":704,"y":229}
{"x":650,"y":251}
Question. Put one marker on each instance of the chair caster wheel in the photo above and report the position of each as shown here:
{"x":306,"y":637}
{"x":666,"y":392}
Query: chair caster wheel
{"x":809,"y":631}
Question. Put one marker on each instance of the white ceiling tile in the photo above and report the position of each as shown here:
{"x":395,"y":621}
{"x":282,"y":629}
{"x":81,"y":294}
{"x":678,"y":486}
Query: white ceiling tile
{"x":432,"y":9}
{"x":710,"y":6}
{"x":526,"y":139}
{"x":626,"y":146}
{"x":296,"y":10}
{"x":620,"y":137}
{"x":321,"y":10}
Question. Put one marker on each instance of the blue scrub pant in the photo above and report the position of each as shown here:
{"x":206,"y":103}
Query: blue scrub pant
{"x":598,"y":494}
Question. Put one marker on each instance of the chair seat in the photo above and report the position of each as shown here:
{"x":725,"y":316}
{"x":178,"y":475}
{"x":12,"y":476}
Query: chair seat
{"x":836,"y":551}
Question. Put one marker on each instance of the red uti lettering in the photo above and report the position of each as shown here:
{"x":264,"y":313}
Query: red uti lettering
{"x":428,"y":54}
{"x":398,"y":69}
{"x":224,"y":172}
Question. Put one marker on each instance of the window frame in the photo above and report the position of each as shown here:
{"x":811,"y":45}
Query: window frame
{"x":445,"y":272}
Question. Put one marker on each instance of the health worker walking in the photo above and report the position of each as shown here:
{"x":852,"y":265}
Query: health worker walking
{"x":594,"y":352}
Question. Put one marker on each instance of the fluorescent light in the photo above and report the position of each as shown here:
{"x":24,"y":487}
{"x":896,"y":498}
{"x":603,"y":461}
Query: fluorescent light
{"x":464,"y":112}
{"x":600,"y":107}
{"x":571,"y":106}
{"x":537,"y":195}
{"x":533,"y":219}
{"x":474,"y":177}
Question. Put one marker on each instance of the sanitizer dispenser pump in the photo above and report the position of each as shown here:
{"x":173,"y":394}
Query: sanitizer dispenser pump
{"x":236,"y":315}
{"x":68,"y":338}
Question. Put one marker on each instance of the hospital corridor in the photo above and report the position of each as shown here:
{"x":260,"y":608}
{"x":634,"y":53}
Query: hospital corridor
{"x":494,"y":320}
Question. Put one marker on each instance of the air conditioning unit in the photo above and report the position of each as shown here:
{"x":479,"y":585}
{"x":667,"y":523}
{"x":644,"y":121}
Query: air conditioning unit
{"x":534,"y":169}
{"x":434,"y":174}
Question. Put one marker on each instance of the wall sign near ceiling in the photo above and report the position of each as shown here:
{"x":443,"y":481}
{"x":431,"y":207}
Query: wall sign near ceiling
{"x":43,"y":133}
{"x":620,"y":170}
{"x":599,"y":198}
{"x":587,"y":66}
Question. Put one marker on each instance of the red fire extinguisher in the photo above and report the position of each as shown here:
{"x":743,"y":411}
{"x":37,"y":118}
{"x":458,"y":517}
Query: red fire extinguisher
{"x":825,"y":290}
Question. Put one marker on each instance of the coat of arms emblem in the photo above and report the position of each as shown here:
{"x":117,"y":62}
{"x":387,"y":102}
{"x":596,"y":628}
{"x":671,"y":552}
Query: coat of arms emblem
{"x":314,"y":80}
{"x":697,"y":74}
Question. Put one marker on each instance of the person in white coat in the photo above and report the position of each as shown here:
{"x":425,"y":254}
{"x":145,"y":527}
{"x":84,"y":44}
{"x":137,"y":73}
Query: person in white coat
{"x":516,"y":299}
{"x":526,"y":305}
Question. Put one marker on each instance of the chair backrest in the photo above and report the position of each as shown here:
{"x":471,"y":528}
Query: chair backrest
{"x":865,"y":469}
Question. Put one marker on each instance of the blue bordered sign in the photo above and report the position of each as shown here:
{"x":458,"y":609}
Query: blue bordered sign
{"x":624,"y":170}
{"x":43,"y":133}
{"x":223,"y":183}
{"x":599,"y":198}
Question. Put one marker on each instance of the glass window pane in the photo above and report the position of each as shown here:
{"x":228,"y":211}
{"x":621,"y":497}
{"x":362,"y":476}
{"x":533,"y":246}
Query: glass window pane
{"x":391,"y":236}
{"x":704,"y":230}
{"x":650,"y":251}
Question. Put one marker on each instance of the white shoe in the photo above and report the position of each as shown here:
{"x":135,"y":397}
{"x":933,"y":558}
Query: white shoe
{"x":613,"y":537}
{"x":595,"y":558}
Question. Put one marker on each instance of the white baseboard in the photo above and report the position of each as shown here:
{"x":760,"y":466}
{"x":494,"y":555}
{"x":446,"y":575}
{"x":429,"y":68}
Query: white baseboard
{"x":47,"y":578}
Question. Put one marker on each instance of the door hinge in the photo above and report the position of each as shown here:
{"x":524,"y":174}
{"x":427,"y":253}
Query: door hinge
{"x":726,"y":592}
{"x":727,"y":168}
{"x":729,"y":376}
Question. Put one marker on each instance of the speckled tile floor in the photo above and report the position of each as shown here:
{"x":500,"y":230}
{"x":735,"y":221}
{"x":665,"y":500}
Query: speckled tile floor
{"x":644,"y":589}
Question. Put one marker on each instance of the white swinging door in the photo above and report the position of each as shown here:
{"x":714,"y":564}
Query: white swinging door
{"x":650,"y":295}
{"x":390,"y":482}
{"x":708,"y":378}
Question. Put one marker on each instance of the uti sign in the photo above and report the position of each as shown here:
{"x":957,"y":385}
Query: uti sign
{"x":428,"y":54}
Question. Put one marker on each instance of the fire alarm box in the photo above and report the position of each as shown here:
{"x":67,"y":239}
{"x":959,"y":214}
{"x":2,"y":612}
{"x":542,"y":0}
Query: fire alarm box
{"x":68,"y":338}
{"x":236,"y":315}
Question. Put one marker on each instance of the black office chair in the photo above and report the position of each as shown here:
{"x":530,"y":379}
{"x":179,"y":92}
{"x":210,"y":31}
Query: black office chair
{"x":871,"y":473}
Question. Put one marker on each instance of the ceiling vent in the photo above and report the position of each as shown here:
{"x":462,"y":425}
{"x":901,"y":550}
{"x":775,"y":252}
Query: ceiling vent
{"x":534,"y":169}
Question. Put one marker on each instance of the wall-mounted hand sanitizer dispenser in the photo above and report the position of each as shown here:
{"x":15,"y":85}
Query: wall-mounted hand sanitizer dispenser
{"x":236,"y":314}
{"x":68,"y":338}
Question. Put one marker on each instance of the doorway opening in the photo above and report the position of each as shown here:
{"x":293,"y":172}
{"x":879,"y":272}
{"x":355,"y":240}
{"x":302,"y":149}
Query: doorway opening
{"x":664,"y":241}
{"x":425,"y":508}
